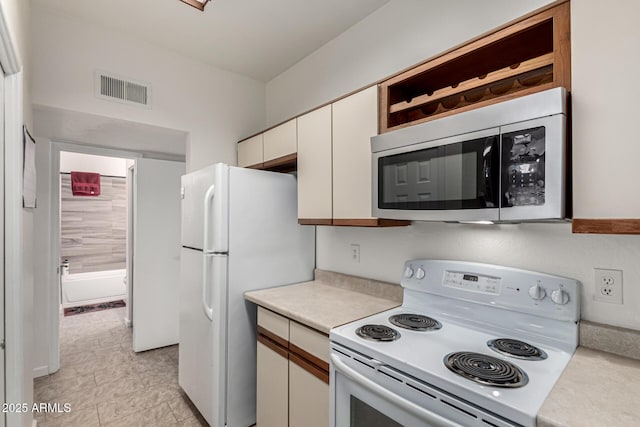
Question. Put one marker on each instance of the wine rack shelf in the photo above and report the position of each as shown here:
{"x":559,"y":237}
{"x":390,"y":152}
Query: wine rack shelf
{"x":525,"y":56}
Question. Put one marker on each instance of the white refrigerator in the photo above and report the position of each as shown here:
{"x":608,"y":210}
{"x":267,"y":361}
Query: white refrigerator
{"x":239,"y":232}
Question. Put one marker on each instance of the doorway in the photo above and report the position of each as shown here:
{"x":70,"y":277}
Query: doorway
{"x":154,"y":243}
{"x":93,"y":232}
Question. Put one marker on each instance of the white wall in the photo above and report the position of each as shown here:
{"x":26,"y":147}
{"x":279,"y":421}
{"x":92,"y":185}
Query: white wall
{"x":216,"y":107}
{"x":103,"y":165}
{"x":550,"y":248}
{"x":407,"y":31}
{"x":396,"y":36}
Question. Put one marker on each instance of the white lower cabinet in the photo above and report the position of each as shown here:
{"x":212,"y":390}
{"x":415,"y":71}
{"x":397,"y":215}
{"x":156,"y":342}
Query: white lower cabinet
{"x":292,"y":373}
{"x":308,"y":399}
{"x":272,"y":388}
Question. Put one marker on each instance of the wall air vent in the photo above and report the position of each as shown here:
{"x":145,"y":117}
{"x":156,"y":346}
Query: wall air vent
{"x":116,"y":88}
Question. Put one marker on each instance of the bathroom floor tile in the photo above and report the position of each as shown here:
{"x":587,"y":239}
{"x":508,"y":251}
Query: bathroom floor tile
{"x":106,"y":383}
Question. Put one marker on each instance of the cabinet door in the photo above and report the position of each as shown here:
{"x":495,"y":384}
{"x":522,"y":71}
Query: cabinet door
{"x":355,"y":121}
{"x":272,"y":386}
{"x":274,"y":323}
{"x":311,"y":341}
{"x":280,"y":141}
{"x":308,"y":399}
{"x":314,"y":165}
{"x":250,"y":151}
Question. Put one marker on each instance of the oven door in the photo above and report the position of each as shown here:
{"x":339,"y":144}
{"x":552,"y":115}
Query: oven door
{"x":357,"y":401}
{"x":449,"y":179}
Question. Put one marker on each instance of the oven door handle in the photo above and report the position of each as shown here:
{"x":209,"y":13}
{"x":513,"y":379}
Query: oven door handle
{"x":410,"y":407}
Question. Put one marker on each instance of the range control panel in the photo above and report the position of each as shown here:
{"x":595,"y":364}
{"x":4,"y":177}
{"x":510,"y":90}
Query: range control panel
{"x":472,"y":282}
{"x":510,"y":288}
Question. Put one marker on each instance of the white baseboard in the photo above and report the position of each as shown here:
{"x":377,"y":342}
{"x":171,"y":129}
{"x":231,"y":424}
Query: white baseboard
{"x":40,"y":371}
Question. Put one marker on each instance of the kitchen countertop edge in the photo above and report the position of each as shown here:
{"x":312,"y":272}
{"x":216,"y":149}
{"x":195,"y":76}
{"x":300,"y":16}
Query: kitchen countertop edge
{"x":333,"y":300}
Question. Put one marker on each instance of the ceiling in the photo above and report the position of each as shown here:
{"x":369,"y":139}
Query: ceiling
{"x":256,"y":38}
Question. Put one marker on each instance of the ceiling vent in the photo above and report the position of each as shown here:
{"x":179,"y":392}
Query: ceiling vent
{"x":119,"y":89}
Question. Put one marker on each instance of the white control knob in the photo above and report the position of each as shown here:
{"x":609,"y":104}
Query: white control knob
{"x":537,"y":292}
{"x":408,"y":272}
{"x":560,"y":297}
{"x":419,"y":273}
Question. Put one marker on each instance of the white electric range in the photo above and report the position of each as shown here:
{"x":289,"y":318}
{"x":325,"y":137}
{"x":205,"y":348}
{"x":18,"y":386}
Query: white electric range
{"x":472,"y":344}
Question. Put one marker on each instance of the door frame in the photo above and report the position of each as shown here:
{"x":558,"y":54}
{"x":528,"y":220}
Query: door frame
{"x":51,"y":277}
{"x":12,"y":279}
{"x":131,"y":170}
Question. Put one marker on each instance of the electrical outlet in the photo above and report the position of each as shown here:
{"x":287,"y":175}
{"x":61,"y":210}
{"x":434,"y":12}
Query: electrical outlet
{"x":355,"y":253}
{"x":608,"y":285}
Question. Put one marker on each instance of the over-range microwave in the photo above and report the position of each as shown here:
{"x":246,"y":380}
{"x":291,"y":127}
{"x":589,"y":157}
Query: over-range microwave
{"x":505,"y":162}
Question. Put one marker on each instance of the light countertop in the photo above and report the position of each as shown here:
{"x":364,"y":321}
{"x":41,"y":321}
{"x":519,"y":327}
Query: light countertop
{"x":596,"y":389}
{"x":321,"y":304}
{"x":601,"y":384}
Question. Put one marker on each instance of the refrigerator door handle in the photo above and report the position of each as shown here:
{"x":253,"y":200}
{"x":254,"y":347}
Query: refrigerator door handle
{"x":207,"y":218}
{"x":208,"y":310}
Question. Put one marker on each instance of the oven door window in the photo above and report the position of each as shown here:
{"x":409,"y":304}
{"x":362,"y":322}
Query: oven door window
{"x":459,"y":175}
{"x":363,"y":415}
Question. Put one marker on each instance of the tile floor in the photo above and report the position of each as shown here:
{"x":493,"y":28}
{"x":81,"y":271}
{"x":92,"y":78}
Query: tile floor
{"x":107,"y":384}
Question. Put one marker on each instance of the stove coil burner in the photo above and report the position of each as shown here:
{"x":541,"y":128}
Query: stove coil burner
{"x":415,"y":322}
{"x":518,"y":349}
{"x":485,"y":369}
{"x":377,"y":333}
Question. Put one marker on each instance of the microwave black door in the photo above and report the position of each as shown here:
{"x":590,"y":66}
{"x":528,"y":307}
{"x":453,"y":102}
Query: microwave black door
{"x":455,"y":176}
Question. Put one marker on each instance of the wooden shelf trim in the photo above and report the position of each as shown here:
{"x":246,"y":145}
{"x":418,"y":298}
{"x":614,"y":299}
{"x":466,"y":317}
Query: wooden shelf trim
{"x":489,"y":100}
{"x":310,"y":367}
{"x":272,"y":345}
{"x":294,"y":349}
{"x":307,"y":361}
{"x":355,"y":222}
{"x":493,"y":77}
{"x":288,"y":163}
{"x":370,"y":222}
{"x":606,"y":226}
{"x":315,"y":221}
{"x":273,"y":337}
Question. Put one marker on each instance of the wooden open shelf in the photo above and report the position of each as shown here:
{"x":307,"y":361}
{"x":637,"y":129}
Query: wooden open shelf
{"x":523,"y":57}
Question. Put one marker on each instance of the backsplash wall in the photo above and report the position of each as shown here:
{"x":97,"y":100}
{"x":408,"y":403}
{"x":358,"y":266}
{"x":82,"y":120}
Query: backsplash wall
{"x":548,"y":248}
{"x":93,"y":229}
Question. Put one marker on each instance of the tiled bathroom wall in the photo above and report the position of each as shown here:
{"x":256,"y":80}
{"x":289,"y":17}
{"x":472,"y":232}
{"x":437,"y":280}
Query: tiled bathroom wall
{"x":93,"y":229}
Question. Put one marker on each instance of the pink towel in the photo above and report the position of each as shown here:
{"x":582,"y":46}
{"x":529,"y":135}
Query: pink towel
{"x":85,"y":183}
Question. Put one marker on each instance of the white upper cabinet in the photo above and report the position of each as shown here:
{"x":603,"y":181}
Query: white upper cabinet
{"x":355,"y":121}
{"x":280,"y":141}
{"x":250,"y":151}
{"x":314,"y":165}
{"x":604,"y":113}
